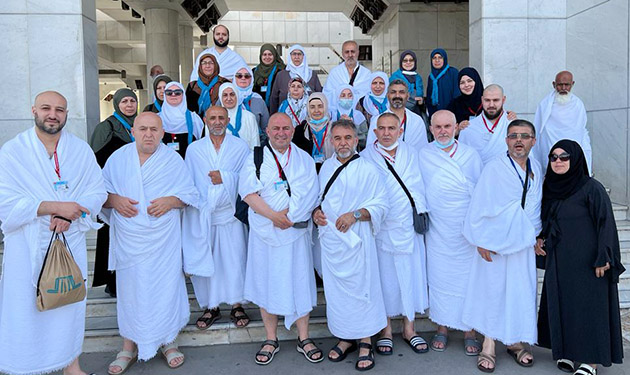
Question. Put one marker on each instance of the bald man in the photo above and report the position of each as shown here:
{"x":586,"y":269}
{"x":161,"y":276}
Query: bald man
{"x":148,"y":184}
{"x":349,"y":72}
{"x":486,"y":133}
{"x":279,"y":276}
{"x":229,"y":61}
{"x":49,"y":183}
{"x":214,"y":241}
{"x":561,"y":115}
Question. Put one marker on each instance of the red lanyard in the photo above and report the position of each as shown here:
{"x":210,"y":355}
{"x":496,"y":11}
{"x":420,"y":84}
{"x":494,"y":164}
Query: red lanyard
{"x":493,"y":125}
{"x":297,"y":120}
{"x":473,"y":112}
{"x":57,"y":169}
{"x":320,"y":145}
{"x":384,"y":153}
{"x":454,"y":150}
{"x":280,"y":169}
{"x":173,"y":137}
{"x":404,"y":125}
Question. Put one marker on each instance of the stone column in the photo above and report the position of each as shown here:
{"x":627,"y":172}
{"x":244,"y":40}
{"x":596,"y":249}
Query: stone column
{"x":519,"y":45}
{"x":162,"y":38}
{"x":185,"y":53}
{"x":49,"y":46}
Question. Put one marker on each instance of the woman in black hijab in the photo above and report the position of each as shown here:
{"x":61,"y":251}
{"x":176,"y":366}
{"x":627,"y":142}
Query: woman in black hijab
{"x":109,"y":136}
{"x":159,"y":83}
{"x":468,"y":104}
{"x":579,"y":309}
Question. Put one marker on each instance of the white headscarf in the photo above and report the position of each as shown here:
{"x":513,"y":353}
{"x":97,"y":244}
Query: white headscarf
{"x":368,"y":105}
{"x":297,"y":106}
{"x":174,"y":118}
{"x":244,"y":92}
{"x":337,"y":112}
{"x":303,"y":71}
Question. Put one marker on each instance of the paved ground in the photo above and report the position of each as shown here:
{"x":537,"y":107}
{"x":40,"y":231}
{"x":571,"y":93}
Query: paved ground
{"x":238,"y":359}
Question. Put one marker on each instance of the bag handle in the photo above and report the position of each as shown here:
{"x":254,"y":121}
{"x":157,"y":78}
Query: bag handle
{"x":336,"y":174}
{"x":391,"y":169}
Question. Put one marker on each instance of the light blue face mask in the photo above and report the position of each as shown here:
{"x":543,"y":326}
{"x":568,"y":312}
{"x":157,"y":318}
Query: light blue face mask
{"x":317,"y":122}
{"x":345,"y":103}
{"x":449,"y":144}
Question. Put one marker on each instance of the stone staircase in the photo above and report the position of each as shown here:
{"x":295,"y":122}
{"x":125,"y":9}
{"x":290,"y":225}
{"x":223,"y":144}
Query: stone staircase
{"x":102,"y":330}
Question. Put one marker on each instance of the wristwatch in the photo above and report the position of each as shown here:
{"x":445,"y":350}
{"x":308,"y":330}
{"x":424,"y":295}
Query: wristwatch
{"x":357,"y":215}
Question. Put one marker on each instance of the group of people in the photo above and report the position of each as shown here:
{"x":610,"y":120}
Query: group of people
{"x":342,"y":179}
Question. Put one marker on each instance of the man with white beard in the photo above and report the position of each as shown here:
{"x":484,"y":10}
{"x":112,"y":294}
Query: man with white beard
{"x":148,"y":183}
{"x":214,"y":241}
{"x":229,"y":61}
{"x":401,"y":252}
{"x":414,"y":129}
{"x":486,"y":133}
{"x":279,"y":277}
{"x":353,"y":206}
{"x":450,"y":171}
{"x":503,"y":221}
{"x":561,"y":115}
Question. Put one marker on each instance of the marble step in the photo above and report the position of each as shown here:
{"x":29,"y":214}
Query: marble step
{"x":620,"y":212}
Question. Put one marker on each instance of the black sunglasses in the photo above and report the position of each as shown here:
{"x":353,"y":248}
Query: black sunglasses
{"x":177,"y":92}
{"x":565,"y":156}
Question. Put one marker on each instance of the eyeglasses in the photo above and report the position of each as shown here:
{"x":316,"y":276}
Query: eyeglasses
{"x":565,"y":156}
{"x":177,"y":92}
{"x":242,"y":76}
{"x":408,"y":60}
{"x":207,"y":62}
{"x":523,"y":136}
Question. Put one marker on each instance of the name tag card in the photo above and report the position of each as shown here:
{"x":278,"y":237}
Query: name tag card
{"x":60,"y":185}
{"x":280,"y":185}
{"x":173,"y":145}
{"x":263,"y":88}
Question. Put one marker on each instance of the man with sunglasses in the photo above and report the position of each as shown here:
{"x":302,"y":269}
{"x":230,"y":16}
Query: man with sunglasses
{"x":228,"y":60}
{"x":561,"y":115}
{"x":485,"y":133}
{"x":503,"y":221}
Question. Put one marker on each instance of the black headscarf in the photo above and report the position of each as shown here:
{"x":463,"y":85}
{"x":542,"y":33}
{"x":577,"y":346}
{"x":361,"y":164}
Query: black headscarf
{"x":464,"y":105}
{"x":562,"y":186}
{"x":161,"y":78}
{"x":263,"y":71}
{"x":104,"y":131}
{"x":119,"y":95}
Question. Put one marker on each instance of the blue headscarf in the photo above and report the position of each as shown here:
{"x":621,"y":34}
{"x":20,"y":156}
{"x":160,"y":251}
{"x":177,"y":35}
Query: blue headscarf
{"x":436,"y":74}
{"x":410,"y":77}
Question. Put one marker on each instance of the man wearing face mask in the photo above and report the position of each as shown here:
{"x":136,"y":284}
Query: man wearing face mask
{"x":349,"y":72}
{"x":561,"y":115}
{"x":486,"y":132}
{"x":414,"y":129}
{"x":452,"y":167}
{"x":228,"y":60}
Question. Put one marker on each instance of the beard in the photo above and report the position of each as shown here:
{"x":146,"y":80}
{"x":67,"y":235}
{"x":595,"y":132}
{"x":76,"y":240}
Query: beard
{"x":492,"y":117}
{"x":41,"y":125}
{"x":222,"y":45}
{"x":216,"y":132}
{"x":562,"y":99}
{"x":397,"y":103}
{"x":346,"y":153}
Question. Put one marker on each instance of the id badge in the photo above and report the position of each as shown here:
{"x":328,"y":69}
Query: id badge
{"x":280,"y":185}
{"x":319,"y":158}
{"x":173,"y":145}
{"x":470,"y":118}
{"x":263,"y":88}
{"x":60,"y":185}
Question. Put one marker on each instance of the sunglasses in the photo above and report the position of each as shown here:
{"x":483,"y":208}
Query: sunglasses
{"x":177,"y":92}
{"x":242,"y":76}
{"x":523,"y":136}
{"x":565,"y":156}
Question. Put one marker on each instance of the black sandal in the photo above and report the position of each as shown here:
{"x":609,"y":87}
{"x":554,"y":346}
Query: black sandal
{"x":269,"y":355}
{"x":215,"y":314}
{"x":369,"y":357}
{"x":565,"y":365}
{"x":238,"y":318}
{"x":519,"y":353}
{"x":309,"y":355}
{"x":384,"y":342}
{"x":342,"y":354}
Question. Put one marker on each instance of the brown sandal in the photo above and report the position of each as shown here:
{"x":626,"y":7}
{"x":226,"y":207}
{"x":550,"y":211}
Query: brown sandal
{"x":488,"y":358}
{"x":518,"y":355}
{"x":239,"y":318}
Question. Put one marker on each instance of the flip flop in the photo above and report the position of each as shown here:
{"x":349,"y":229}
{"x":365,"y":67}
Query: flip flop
{"x":439,"y":337}
{"x":474,"y":343}
{"x":385,"y":342}
{"x":414,"y":342}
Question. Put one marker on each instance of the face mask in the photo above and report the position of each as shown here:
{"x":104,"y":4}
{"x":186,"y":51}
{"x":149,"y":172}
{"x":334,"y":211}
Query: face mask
{"x":388,"y":148}
{"x":449,"y":144}
{"x":320,"y":121}
{"x":345,"y":103}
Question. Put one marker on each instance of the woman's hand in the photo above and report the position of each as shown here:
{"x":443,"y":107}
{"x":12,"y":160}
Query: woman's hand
{"x":538,"y":248}
{"x":599,"y":271}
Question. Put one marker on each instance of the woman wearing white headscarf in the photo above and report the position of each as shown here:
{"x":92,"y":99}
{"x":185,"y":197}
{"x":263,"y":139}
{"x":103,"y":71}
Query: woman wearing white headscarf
{"x":295,"y":103}
{"x":242,"y":122}
{"x":181,"y":126}
{"x":252,"y":101}
{"x":344,"y":107}
{"x":296,"y":67}
{"x":375,"y":102}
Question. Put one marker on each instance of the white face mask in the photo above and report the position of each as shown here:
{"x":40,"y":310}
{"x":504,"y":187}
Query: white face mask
{"x":447,"y":145}
{"x":390,"y":148}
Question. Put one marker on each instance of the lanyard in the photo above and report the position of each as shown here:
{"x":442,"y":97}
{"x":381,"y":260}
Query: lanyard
{"x":157,"y":105}
{"x":404,"y":125}
{"x":320,"y":145}
{"x":124,"y":124}
{"x":269,"y":82}
{"x":297,"y":120}
{"x":491,"y":130}
{"x":454,"y":150}
{"x":57,"y":169}
{"x":523,"y":183}
{"x":475,"y":113}
{"x":280,"y":169}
